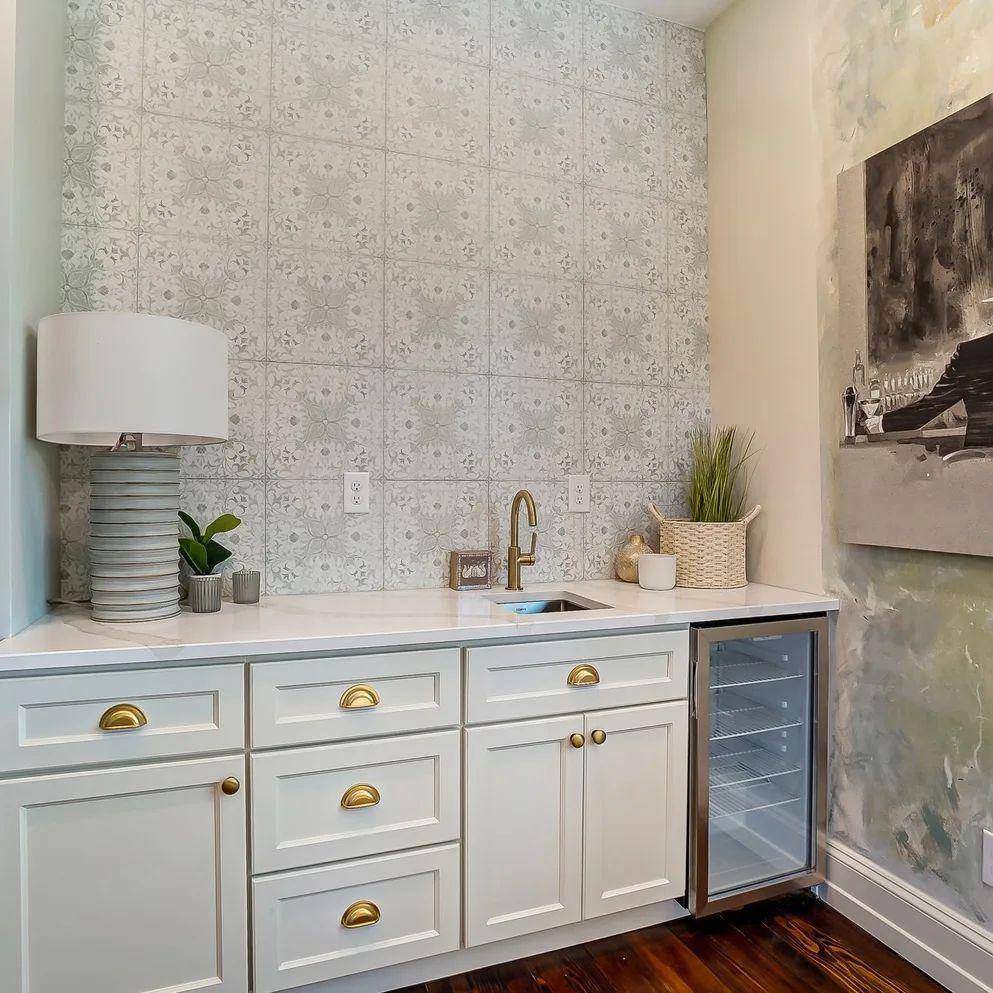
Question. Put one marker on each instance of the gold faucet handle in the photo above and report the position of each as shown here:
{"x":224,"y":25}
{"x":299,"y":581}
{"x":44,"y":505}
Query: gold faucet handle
{"x":534,"y":545}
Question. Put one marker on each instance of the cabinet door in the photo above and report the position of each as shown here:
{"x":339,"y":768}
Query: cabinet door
{"x":124,"y":880}
{"x":635,"y":807}
{"x":523,"y":828}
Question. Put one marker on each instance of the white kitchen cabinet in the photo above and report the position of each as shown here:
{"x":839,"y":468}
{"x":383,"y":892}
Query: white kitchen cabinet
{"x":523,"y":828}
{"x":124,"y":880}
{"x":634,"y":825}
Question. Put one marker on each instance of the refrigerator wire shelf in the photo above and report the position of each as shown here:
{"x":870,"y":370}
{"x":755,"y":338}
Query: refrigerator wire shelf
{"x":735,"y":672}
{"x":738,"y":800}
{"x":748,"y":766}
{"x":735,"y":716}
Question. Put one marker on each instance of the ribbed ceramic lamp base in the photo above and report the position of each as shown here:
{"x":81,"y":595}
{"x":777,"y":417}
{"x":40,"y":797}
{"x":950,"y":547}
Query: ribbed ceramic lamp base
{"x":134,"y":533}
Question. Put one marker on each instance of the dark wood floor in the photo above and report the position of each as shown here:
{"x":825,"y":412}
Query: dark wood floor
{"x":797,"y":944}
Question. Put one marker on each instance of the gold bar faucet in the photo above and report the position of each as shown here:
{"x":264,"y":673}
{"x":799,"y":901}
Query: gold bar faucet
{"x":515,"y":558}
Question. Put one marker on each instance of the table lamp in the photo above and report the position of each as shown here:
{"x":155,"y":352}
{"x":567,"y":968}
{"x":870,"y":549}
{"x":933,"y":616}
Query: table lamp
{"x":118,"y":382}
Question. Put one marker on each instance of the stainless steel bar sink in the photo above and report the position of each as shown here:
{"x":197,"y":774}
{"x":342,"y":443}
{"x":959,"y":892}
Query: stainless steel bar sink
{"x":551,"y":602}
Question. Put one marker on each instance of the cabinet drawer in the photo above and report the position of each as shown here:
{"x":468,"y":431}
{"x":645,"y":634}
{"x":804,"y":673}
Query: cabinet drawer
{"x":507,"y":682}
{"x":56,"y":720}
{"x":411,"y":911}
{"x":323,"y":804}
{"x":356,"y":696}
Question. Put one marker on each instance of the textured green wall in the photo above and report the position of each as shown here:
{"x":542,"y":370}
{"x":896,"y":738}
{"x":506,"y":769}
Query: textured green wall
{"x":912,"y":777}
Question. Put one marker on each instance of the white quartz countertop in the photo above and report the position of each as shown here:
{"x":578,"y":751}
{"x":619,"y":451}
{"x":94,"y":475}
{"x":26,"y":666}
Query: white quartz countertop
{"x":68,"y":638}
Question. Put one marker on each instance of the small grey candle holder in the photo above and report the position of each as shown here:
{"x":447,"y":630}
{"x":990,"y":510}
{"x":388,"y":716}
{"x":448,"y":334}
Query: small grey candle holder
{"x":246,"y":585}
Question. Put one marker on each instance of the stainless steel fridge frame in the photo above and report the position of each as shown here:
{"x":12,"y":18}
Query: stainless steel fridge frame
{"x":701,"y":639}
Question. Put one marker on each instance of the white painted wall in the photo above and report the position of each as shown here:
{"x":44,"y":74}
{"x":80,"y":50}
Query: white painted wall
{"x":31,"y":115}
{"x":763,"y":283}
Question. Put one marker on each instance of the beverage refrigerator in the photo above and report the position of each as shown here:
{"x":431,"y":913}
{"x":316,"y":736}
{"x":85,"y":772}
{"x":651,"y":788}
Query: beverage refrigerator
{"x":758,"y":739}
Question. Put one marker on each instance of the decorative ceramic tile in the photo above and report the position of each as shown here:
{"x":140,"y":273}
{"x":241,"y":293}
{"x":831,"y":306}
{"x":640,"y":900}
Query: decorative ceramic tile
{"x":206,"y":499}
{"x":424,"y":522}
{"x":560,"y":533}
{"x":625,"y":239}
{"x":324,"y":195}
{"x":457,"y":29}
{"x":537,"y":226}
{"x":242,"y":456}
{"x":436,"y":317}
{"x":205,"y":180}
{"x":625,"y":145}
{"x":313,"y":546}
{"x":325,"y":308}
{"x":536,"y":127}
{"x":103,"y":51}
{"x":539,"y":37}
{"x":617,"y":511}
{"x":625,"y":52}
{"x":536,"y":429}
{"x":626,"y":432}
{"x":362,"y":19}
{"x":206,"y":64}
{"x":220,"y":284}
{"x":324,"y":86}
{"x":436,"y":211}
{"x":99,"y":269}
{"x":74,"y":521}
{"x":688,"y":410}
{"x":100,"y":168}
{"x":626,"y":335}
{"x":438,"y":107}
{"x":686,"y":86}
{"x":688,"y":159}
{"x":257,"y":8}
{"x":323,"y":420}
{"x":435,"y":426}
{"x":537,"y":327}
{"x":688,"y":249}
{"x":689,"y":349}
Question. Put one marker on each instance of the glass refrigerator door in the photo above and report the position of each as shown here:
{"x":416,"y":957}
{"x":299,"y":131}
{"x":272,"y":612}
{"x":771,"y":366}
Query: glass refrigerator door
{"x":759,"y":761}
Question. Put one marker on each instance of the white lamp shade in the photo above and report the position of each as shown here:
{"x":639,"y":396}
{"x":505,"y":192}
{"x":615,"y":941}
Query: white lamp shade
{"x":102,"y":374}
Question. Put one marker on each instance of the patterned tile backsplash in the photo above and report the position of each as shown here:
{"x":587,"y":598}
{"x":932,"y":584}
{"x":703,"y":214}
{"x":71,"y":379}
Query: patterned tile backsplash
{"x":460,"y":246}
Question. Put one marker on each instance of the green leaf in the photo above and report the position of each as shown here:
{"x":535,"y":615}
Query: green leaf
{"x":192,"y":525}
{"x":226,"y":522}
{"x":195,"y":555}
{"x":216,"y":554}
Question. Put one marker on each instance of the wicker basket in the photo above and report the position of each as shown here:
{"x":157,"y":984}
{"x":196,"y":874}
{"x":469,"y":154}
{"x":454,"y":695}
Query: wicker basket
{"x":708,"y":556}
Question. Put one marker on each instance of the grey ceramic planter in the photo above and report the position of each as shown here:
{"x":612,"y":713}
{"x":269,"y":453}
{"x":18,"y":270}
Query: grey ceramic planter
{"x":204,"y":594}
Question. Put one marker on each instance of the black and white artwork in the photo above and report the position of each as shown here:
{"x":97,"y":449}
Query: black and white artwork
{"x":916,"y":311}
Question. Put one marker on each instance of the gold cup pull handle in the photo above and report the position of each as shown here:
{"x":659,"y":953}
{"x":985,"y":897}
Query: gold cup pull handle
{"x":123,"y":717}
{"x":359,"y":697}
{"x":362,"y":913}
{"x":360,"y":795}
{"x":584,"y":675}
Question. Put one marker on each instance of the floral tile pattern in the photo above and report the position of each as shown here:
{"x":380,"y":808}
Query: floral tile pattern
{"x":626,"y":432}
{"x":74,"y":521}
{"x":617,"y":511}
{"x":313,"y":546}
{"x":435,"y":426}
{"x":323,"y":420}
{"x":625,"y":239}
{"x":688,"y":409}
{"x":537,"y":327}
{"x":689,"y":341}
{"x":686,"y":88}
{"x":325,"y":308}
{"x":324,"y":86}
{"x":688,"y":249}
{"x":427,"y":520}
{"x":538,"y":37}
{"x":536,"y":127}
{"x":537,"y":226}
{"x":535,"y":428}
{"x":625,"y":145}
{"x":436,"y":317}
{"x":364,"y":19}
{"x":205,"y":64}
{"x":456,"y":29}
{"x":688,"y":159}
{"x":626,"y":335}
{"x":436,"y":211}
{"x":99,"y":269}
{"x":438,"y":107}
{"x":625,"y":53}
{"x":218,"y":284}
{"x":103,"y":51}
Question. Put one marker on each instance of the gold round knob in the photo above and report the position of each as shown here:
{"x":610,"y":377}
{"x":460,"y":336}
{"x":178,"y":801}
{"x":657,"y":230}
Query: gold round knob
{"x":230,"y":786}
{"x":599,"y":737}
{"x":577,"y":740}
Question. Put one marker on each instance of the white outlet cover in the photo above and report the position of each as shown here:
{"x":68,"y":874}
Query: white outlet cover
{"x":988,"y":858}
{"x":579,"y":494}
{"x":356,"y":492}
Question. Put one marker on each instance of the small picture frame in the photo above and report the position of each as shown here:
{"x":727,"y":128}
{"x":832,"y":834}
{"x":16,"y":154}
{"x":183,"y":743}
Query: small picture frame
{"x":471,"y":570}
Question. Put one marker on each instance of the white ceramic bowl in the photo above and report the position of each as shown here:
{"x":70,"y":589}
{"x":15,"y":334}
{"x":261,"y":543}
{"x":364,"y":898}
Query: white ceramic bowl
{"x":656,"y":572}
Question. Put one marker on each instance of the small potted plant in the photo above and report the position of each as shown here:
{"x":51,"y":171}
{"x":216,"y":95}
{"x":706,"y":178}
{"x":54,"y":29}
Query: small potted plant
{"x":202,"y":555}
{"x":710,"y":546}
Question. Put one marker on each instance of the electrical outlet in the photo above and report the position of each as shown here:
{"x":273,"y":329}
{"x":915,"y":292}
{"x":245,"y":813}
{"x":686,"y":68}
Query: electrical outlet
{"x":356,"y":493}
{"x":579,"y":494}
{"x":988,"y":857}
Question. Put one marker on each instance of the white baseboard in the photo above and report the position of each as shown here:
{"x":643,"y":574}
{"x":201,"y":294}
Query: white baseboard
{"x":938,"y":940}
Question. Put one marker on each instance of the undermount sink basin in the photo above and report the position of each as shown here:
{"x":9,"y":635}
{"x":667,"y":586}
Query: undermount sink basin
{"x":555,"y":602}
